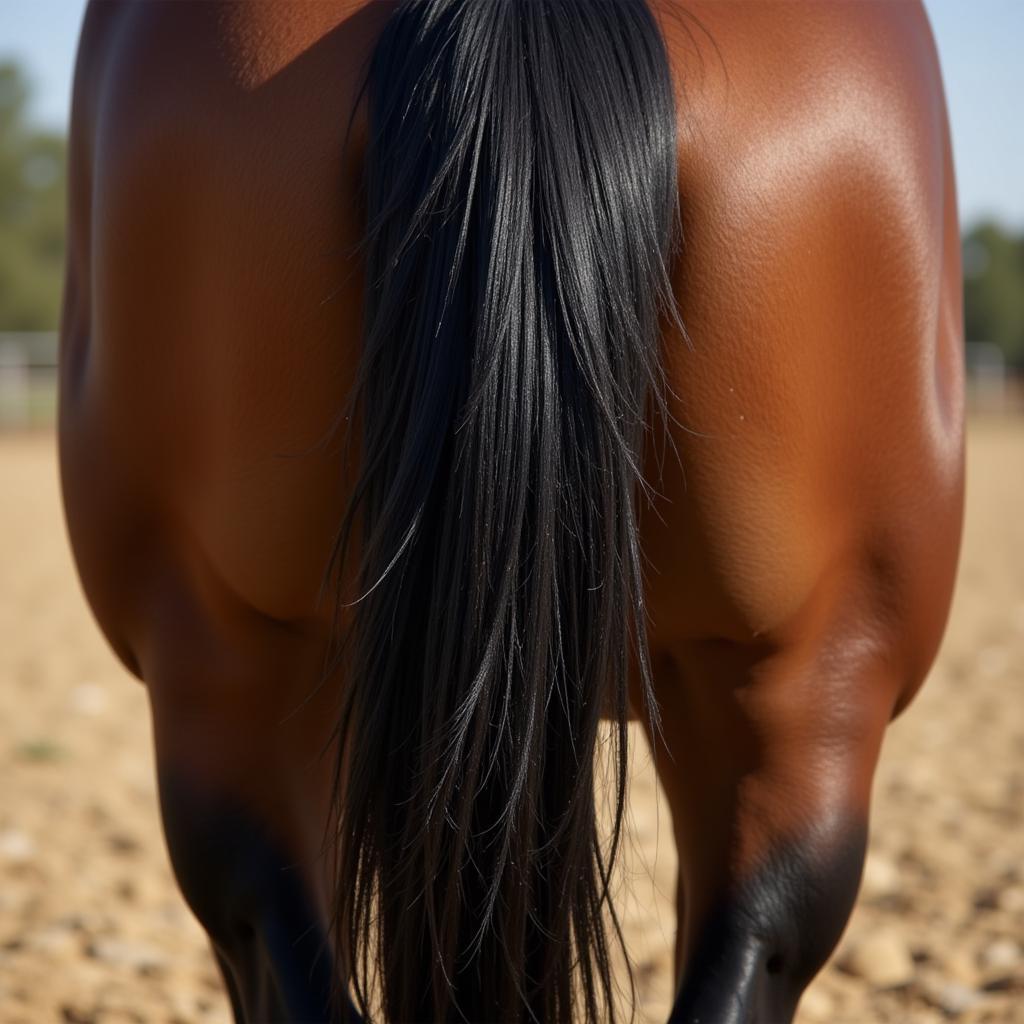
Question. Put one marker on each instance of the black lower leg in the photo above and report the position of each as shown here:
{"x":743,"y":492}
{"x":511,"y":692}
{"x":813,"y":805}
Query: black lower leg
{"x":765,"y":940}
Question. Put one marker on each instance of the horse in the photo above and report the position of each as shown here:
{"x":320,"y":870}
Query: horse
{"x":445,"y":384}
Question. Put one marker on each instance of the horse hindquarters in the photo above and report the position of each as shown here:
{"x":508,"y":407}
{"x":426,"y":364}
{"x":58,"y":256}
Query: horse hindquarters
{"x":804,"y":544}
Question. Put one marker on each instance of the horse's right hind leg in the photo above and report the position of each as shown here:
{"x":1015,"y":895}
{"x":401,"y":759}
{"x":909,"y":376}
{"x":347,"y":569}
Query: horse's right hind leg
{"x":765,"y":937}
{"x":769,"y":797}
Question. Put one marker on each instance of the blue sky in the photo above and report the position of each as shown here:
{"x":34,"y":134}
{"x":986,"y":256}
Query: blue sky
{"x":980,"y":43}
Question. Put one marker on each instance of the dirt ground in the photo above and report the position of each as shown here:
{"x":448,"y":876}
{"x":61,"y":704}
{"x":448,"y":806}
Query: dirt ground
{"x":92,"y":928}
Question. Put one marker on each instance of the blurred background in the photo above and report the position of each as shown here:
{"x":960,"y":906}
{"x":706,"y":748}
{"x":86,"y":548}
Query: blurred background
{"x":91,"y":926}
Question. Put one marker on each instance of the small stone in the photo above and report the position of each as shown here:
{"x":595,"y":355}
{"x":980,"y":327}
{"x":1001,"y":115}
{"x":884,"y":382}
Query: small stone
{"x":1012,"y":899}
{"x":1000,"y":955}
{"x":882,"y":959}
{"x":53,"y":940}
{"x":952,"y":997}
{"x":16,"y":846}
{"x":881,"y":877}
{"x":124,"y":953}
{"x":88,"y":699}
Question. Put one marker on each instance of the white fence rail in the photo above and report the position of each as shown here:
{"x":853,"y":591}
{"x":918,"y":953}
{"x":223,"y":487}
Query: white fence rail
{"x":28,"y":378}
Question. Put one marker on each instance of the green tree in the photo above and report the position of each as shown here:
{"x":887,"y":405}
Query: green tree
{"x":33,"y":171}
{"x":994,"y":289}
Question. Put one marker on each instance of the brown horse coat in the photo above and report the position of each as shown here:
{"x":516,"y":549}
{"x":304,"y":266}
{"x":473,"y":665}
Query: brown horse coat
{"x":804,"y":551}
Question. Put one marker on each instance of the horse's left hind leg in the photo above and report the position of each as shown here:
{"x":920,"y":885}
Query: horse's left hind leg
{"x":769,"y":791}
{"x":250,"y":896}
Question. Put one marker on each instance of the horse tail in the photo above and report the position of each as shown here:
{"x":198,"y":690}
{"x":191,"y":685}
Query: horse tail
{"x":521,"y":208}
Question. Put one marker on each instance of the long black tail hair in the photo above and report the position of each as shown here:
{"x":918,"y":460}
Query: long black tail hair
{"x":520,"y":188}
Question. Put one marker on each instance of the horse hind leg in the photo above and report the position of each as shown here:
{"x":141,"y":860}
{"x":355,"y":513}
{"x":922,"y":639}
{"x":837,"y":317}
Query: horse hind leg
{"x":769,"y":795}
{"x":250,"y":897}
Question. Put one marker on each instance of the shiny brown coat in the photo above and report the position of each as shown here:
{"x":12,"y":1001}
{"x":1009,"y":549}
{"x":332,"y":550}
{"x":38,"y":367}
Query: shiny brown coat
{"x":804,"y":551}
